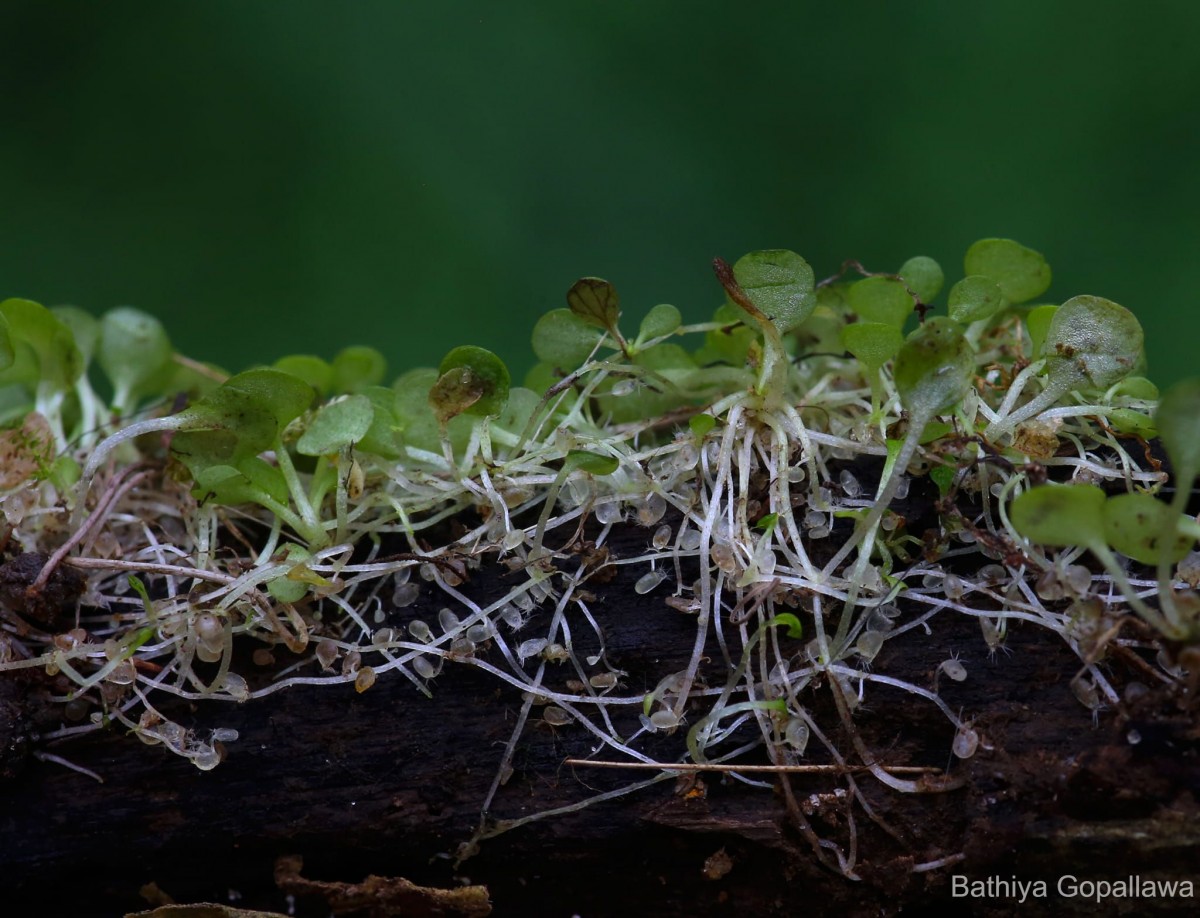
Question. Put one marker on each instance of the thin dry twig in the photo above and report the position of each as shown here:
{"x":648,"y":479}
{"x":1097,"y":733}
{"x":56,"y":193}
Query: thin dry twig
{"x":149,"y":567}
{"x":767,"y":769}
{"x":118,"y":487}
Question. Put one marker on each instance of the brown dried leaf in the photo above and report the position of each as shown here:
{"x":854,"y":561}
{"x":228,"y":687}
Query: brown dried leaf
{"x":455,"y":391}
{"x":596,"y":302}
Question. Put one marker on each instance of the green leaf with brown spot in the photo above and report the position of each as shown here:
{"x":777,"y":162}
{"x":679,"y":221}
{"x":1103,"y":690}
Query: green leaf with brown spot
{"x":481,"y":390}
{"x":1140,"y":527}
{"x":1092,"y":340}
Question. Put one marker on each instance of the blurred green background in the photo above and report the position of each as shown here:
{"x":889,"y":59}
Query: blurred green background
{"x":289,"y":177}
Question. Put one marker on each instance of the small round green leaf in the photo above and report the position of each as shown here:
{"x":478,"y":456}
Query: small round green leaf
{"x":1136,"y":387}
{"x":974,"y":298}
{"x":541,"y":376}
{"x":1178,"y":422}
{"x":665,"y":357}
{"x":935,"y":430}
{"x":1059,"y":515}
{"x":521,"y":405}
{"x":64,"y":472}
{"x":132,"y":351}
{"x":1130,"y":422}
{"x":701,"y":424}
{"x":789,"y":621}
{"x":42,"y":345}
{"x":414,"y":413}
{"x":1140,"y":527}
{"x":240,"y":418}
{"x":313,"y":370}
{"x":1021,"y":272}
{"x":933,"y":369}
{"x":207,"y":447}
{"x":872,"y":343}
{"x":249,"y":482}
{"x":357,"y":367}
{"x":880,"y":299}
{"x":283,"y":396}
{"x":943,"y":477}
{"x":729,"y":344}
{"x":821,"y":331}
{"x":780,"y":284}
{"x":286,"y":588}
{"x":1037,"y":323}
{"x":593,"y":463}
{"x":85,"y":329}
{"x":1093,"y":339}
{"x":336,"y":426}
{"x":383,"y":436}
{"x":923,"y":276}
{"x":661,"y":320}
{"x":484,"y":371}
{"x":562,"y":339}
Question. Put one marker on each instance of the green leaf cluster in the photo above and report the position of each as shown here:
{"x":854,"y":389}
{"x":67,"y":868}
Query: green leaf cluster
{"x":223,"y":438}
{"x":354,"y":370}
{"x":287,"y":436}
{"x":1087,"y":344}
{"x":46,"y":356}
{"x":1134,"y":524}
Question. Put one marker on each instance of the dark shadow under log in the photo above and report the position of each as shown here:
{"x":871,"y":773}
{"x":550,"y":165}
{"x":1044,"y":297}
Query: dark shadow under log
{"x":390,"y":783}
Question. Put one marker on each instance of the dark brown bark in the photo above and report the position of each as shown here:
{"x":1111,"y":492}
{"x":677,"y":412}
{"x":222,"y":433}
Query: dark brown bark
{"x":390,"y":783}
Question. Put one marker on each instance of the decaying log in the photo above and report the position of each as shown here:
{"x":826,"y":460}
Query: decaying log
{"x":390,"y":783}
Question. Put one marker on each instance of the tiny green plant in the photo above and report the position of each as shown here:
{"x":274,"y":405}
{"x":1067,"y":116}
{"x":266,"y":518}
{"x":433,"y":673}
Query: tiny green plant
{"x":1134,"y":524}
{"x":770,"y":458}
{"x":1090,"y":343}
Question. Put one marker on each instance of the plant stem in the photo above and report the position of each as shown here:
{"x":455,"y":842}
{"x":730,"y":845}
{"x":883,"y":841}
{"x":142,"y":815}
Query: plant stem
{"x":1151,"y":616}
{"x":311,"y":528}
